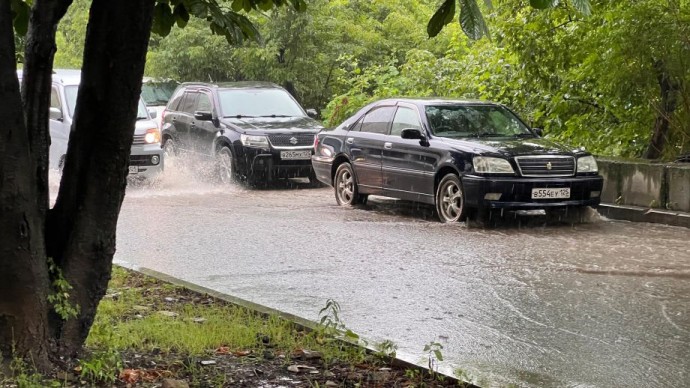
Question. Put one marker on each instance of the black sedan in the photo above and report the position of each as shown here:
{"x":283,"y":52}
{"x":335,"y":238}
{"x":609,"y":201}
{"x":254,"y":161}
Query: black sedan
{"x":460,"y":156}
{"x":254,"y":130}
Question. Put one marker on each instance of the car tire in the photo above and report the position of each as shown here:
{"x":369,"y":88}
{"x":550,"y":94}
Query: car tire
{"x":169,"y":148}
{"x":450,"y":199}
{"x":345,"y":185}
{"x":225,"y":166}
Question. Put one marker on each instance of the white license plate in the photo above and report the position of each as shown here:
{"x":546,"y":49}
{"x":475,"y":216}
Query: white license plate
{"x":133,"y":169}
{"x":295,"y":155}
{"x":563,"y":192}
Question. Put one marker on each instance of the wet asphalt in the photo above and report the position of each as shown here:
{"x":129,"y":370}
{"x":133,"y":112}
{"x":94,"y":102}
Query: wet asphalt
{"x":525,"y":300}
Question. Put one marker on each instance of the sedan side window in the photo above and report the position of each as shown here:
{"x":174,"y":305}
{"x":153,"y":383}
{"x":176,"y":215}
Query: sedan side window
{"x":378,"y":120}
{"x":405,"y":118}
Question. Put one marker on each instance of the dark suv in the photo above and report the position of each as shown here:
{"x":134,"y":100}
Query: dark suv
{"x":254,"y":130}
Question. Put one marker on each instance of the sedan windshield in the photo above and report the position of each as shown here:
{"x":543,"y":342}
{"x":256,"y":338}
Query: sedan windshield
{"x":258,"y":103}
{"x":459,"y":121}
{"x":71,"y":95}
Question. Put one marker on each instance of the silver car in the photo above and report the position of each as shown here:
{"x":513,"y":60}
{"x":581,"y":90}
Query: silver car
{"x":146,"y":160}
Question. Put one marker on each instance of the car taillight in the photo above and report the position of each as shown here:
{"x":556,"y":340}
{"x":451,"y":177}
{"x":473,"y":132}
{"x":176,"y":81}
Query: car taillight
{"x":162,"y":116}
{"x":316,"y":142}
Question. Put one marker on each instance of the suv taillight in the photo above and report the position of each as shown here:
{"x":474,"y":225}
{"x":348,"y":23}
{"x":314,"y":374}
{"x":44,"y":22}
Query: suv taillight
{"x":162,"y":117}
{"x":316,"y":142}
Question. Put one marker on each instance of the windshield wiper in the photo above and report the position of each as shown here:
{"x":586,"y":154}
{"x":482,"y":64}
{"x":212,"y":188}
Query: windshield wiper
{"x":275,"y":116}
{"x":520,"y":135}
{"x":240,"y":116}
{"x":142,"y":118}
{"x":489,"y":134}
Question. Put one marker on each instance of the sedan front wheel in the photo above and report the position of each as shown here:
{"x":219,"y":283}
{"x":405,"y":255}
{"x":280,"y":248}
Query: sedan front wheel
{"x":450,"y":199}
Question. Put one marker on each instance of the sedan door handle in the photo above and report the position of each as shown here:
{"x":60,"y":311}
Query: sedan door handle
{"x":387,"y":145}
{"x":349,"y":140}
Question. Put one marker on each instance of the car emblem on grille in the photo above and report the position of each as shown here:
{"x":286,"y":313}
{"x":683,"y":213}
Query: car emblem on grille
{"x":548,"y":166}
{"x":293,"y":140}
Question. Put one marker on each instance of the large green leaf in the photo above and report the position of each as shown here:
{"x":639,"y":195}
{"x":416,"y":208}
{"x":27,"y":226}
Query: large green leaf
{"x":20,"y":16}
{"x":181,"y":15}
{"x":444,"y":15}
{"x":163,"y":19}
{"x":472,"y":20}
{"x":198,"y":8}
{"x":583,"y":6}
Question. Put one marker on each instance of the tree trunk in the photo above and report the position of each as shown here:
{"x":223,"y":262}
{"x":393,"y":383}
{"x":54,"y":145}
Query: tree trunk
{"x":83,"y":223}
{"x":36,"y":82}
{"x":24,"y":281}
{"x":669,"y":101}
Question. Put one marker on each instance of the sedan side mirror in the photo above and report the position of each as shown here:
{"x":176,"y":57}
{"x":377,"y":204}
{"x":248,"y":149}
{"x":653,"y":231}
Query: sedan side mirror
{"x":202,"y":115}
{"x":312,"y":113}
{"x":538,"y":131}
{"x":412,"y":133}
{"x":55,"y":114}
{"x":415,"y":134}
{"x":153,"y":113}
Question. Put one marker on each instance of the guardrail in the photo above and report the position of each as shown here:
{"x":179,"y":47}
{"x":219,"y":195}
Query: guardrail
{"x":646,"y":184}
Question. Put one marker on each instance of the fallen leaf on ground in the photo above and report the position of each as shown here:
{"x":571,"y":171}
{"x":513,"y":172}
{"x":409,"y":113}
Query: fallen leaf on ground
{"x":300,"y":368}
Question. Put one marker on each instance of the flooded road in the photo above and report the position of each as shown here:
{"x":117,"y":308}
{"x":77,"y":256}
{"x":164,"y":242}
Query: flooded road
{"x":525,"y":302}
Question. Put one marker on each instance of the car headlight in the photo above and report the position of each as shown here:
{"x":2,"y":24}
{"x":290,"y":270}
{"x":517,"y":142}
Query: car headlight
{"x":489,"y":165}
{"x":254,"y":141}
{"x":153,"y":135}
{"x":587,"y":164}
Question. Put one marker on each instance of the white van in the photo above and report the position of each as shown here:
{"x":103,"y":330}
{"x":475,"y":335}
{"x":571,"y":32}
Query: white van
{"x":146,"y":160}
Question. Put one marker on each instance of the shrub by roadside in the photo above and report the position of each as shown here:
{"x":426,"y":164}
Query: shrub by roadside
{"x":148,"y":333}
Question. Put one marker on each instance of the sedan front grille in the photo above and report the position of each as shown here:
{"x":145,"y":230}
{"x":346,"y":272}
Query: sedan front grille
{"x":300,"y":140}
{"x":542,"y":166}
{"x":139,"y":140}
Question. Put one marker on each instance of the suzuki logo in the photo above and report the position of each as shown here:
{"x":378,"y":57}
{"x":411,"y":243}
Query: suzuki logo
{"x":548,"y":166}
{"x":293,"y":140}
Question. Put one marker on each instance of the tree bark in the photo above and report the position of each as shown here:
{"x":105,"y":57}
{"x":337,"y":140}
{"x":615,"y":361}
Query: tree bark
{"x":24,"y":280}
{"x":669,"y":101}
{"x":83,"y":223}
{"x":36,"y":83}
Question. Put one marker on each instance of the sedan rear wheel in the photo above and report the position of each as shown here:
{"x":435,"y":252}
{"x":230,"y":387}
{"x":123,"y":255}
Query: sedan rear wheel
{"x":224,"y":166}
{"x":346,"y":191}
{"x":450,"y":199}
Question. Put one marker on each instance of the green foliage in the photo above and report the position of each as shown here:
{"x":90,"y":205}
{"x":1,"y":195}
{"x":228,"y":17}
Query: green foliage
{"x":20,"y":15}
{"x":102,"y":367}
{"x":472,"y":18}
{"x":59,"y":299}
{"x":588,"y":82}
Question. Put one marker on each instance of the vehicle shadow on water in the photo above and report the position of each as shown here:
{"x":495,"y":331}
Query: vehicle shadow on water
{"x":496,"y":219}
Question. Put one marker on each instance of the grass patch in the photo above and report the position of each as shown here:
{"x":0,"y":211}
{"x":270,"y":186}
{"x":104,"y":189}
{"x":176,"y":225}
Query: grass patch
{"x":147,"y":331}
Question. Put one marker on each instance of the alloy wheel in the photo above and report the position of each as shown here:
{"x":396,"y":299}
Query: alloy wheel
{"x":450,"y":199}
{"x":225,"y":170}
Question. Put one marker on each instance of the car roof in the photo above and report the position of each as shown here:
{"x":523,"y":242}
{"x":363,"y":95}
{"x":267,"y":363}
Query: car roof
{"x":434,"y":101}
{"x":63,"y":76}
{"x":235,"y":85}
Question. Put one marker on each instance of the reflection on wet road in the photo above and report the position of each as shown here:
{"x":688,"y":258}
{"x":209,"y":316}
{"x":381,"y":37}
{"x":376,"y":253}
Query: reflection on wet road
{"x":526,"y":301}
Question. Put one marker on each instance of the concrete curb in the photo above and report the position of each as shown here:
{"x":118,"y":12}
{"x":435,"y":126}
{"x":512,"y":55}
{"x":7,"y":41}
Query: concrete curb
{"x":302,"y":323}
{"x":642,"y":214}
